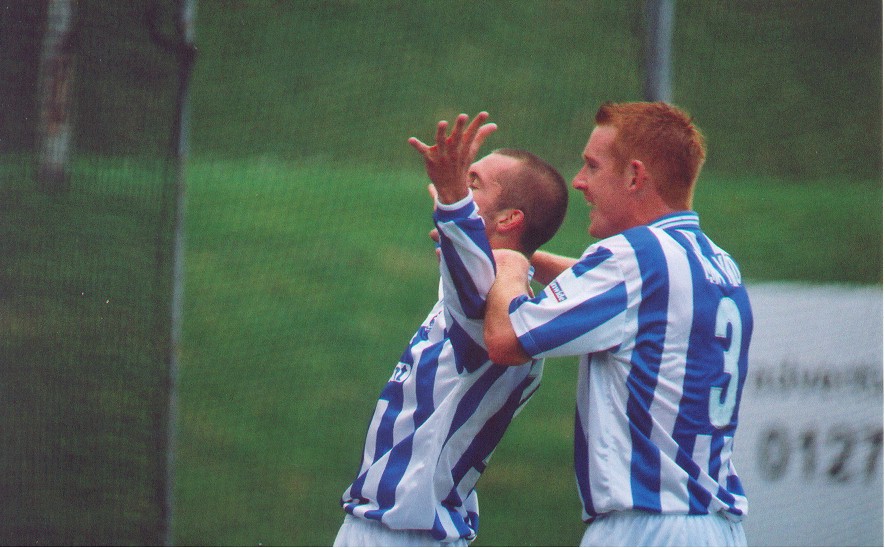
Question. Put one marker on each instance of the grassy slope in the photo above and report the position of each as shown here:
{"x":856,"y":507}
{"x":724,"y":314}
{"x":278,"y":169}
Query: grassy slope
{"x":782,"y":88}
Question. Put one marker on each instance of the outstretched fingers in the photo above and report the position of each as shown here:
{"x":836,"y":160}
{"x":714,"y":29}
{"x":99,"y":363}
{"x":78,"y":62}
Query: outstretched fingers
{"x":419,"y":146}
{"x":457,"y":136}
{"x":441,"y":128}
{"x":481,"y":134}
{"x":464,"y":137}
{"x":476,"y":134}
{"x":473,"y":128}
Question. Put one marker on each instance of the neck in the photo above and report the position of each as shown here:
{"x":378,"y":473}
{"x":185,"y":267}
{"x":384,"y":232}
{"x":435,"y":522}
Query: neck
{"x":649,"y":210}
{"x":497,"y":241}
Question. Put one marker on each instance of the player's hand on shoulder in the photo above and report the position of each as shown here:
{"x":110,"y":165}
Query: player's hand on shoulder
{"x":510,"y":260}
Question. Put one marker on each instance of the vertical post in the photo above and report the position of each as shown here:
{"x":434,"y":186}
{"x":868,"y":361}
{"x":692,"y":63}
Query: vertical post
{"x":185,"y":50}
{"x":657,"y":85}
{"x":56,"y":76}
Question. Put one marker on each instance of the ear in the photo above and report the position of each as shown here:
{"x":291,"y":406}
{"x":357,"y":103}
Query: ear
{"x":638,"y":175}
{"x":509,"y":220}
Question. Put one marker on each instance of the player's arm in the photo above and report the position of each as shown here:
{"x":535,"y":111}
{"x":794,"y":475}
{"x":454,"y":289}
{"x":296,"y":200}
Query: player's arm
{"x":467,"y":265}
{"x":594,"y":290}
{"x":549,"y":265}
{"x":501,"y":341}
{"x":467,"y":268}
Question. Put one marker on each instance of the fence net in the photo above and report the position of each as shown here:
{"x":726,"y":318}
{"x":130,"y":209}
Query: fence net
{"x":86,"y":219}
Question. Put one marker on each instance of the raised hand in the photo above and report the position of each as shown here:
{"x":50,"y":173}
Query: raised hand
{"x":448,"y":161}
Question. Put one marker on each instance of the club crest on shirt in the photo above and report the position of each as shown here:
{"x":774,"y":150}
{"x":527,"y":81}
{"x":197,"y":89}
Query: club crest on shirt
{"x":557,"y":292}
{"x":424,"y":330}
{"x":401,"y":372}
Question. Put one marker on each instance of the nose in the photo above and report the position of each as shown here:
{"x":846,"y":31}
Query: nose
{"x":579,"y":182}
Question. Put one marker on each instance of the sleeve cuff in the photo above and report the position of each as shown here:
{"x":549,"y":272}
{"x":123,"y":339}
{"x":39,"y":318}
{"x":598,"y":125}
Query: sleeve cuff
{"x":460,"y":209}
{"x":528,"y":343}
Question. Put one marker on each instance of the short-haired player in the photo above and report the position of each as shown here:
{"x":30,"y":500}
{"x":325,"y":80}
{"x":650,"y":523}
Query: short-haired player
{"x":661,"y":322}
{"x":446,"y":406}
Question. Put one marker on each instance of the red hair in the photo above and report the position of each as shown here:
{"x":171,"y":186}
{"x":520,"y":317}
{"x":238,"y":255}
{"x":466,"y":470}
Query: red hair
{"x":665,"y":139}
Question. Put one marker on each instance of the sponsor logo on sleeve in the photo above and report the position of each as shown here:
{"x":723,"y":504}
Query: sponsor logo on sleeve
{"x":557,"y":291}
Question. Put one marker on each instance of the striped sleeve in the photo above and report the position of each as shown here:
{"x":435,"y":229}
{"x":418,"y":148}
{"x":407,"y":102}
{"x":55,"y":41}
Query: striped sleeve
{"x":582,"y":311}
{"x":467,"y":271}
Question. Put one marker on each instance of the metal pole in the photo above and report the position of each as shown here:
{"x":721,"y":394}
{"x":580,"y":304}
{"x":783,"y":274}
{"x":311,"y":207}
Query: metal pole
{"x":56,"y":74}
{"x":658,"y":51}
{"x":186,"y":52}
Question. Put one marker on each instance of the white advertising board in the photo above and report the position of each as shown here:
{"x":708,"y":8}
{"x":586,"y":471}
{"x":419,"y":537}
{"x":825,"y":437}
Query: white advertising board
{"x":809,"y":443}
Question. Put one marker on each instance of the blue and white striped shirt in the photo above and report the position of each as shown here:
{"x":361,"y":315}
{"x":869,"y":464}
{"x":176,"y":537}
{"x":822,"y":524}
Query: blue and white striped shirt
{"x":662,"y":323}
{"x":446,"y":406}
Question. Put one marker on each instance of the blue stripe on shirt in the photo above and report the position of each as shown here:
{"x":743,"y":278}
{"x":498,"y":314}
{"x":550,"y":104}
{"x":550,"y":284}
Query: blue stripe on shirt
{"x":473,"y":398}
{"x":575,"y":322}
{"x":694,"y":403}
{"x":591,"y":261}
{"x":734,"y":486}
{"x":582,"y":472}
{"x":400,"y":454}
{"x":488,"y":437}
{"x":704,"y":363}
{"x":645,"y":462}
{"x":471,"y":299}
{"x":425,"y":380}
{"x":393,"y":394}
{"x":472,"y":303}
{"x":469,"y":355}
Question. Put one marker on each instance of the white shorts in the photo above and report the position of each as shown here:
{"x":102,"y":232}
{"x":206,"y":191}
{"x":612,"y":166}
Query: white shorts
{"x":634,"y":528}
{"x":369,"y":532}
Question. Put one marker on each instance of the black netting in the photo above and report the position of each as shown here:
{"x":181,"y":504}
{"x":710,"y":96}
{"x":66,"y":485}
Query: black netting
{"x":86,"y":232}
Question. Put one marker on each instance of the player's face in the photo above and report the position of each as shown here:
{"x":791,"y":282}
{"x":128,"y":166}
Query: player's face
{"x":484,"y":178}
{"x":603,"y":185}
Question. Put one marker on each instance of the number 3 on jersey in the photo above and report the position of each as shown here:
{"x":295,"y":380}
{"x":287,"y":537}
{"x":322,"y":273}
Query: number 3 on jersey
{"x":721,"y":408}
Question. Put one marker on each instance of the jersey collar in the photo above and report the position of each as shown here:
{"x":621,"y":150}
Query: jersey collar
{"x":680,"y":219}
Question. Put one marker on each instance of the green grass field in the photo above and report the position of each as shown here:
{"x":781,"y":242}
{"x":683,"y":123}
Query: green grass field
{"x":304,"y":283}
